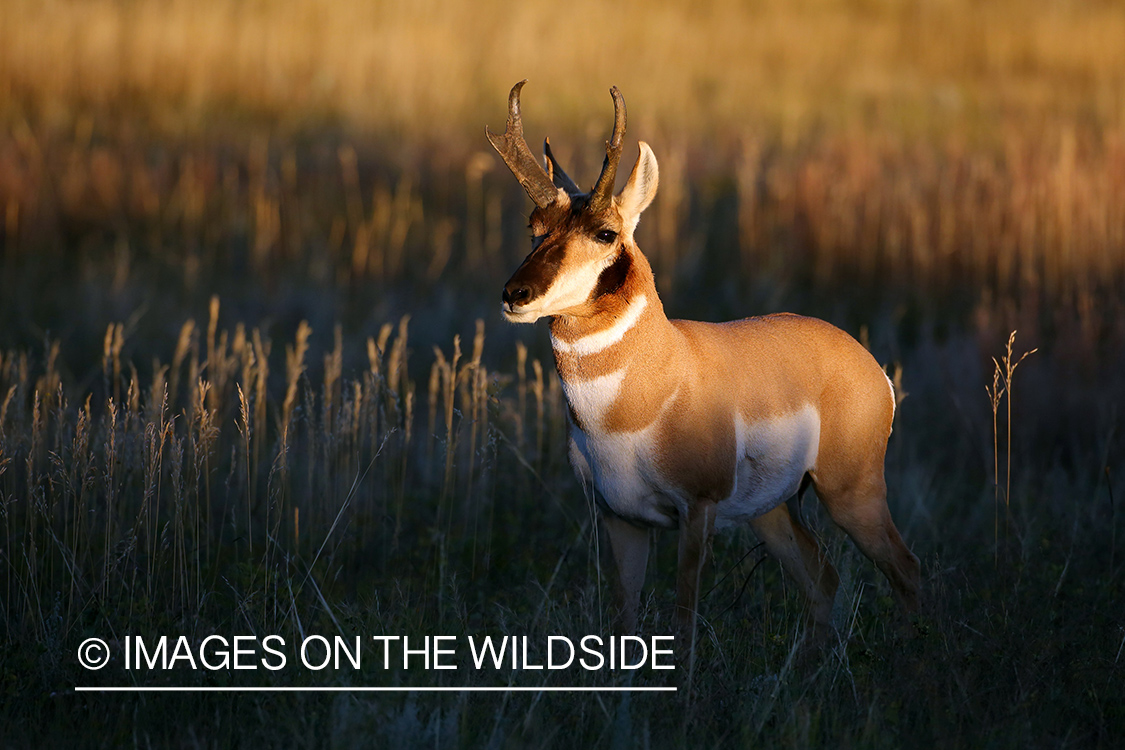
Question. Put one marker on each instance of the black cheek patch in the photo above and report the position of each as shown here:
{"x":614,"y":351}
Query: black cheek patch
{"x":613,"y":277}
{"x":539,"y":269}
{"x":548,"y":266}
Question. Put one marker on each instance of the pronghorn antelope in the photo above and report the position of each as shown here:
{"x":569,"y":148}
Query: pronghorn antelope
{"x":689,"y":425}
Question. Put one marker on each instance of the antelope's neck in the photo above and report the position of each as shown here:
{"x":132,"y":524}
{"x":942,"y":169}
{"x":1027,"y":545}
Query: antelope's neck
{"x":620,"y":364}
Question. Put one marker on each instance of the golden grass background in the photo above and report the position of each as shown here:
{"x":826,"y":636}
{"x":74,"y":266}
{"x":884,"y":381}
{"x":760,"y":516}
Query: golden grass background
{"x":716,"y":67}
{"x":902,"y":141}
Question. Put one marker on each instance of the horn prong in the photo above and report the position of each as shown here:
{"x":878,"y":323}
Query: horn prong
{"x":513,"y":149}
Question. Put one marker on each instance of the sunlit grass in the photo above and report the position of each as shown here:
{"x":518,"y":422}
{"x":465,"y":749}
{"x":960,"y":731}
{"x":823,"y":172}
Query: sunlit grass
{"x":431,"y":68}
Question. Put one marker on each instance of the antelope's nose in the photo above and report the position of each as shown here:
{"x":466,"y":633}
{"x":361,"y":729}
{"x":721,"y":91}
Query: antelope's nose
{"x":516,"y":293}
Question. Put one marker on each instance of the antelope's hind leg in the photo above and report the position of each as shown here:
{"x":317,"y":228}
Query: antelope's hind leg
{"x":859,"y":507}
{"x":790,"y":542}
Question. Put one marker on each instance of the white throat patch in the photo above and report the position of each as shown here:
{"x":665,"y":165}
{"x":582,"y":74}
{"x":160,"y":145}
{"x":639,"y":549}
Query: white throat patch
{"x":602,"y":340}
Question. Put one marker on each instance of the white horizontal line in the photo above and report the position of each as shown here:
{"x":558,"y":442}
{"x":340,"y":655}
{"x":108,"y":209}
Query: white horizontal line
{"x":361,"y":689}
{"x":596,"y":342}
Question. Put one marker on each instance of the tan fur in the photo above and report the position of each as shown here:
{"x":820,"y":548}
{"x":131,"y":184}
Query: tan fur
{"x":702,"y":425}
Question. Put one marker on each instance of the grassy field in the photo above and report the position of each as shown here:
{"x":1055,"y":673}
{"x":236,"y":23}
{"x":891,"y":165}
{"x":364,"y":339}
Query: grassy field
{"x":254,"y":380}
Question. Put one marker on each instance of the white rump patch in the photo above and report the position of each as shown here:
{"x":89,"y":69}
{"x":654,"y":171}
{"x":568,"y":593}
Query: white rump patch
{"x":601,"y":340}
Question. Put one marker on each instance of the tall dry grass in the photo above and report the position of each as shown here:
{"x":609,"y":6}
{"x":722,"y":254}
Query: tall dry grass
{"x":1038,"y":221}
{"x":143,"y":498}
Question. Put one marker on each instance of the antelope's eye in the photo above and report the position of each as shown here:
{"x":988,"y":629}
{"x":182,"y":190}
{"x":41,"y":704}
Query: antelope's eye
{"x":606,"y":236}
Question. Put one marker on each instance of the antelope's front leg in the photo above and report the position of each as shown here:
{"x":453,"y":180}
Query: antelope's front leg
{"x":630,"y":552}
{"x":695,"y":534}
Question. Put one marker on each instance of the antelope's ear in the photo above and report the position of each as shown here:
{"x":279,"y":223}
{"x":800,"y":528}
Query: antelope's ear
{"x":640,"y":189}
